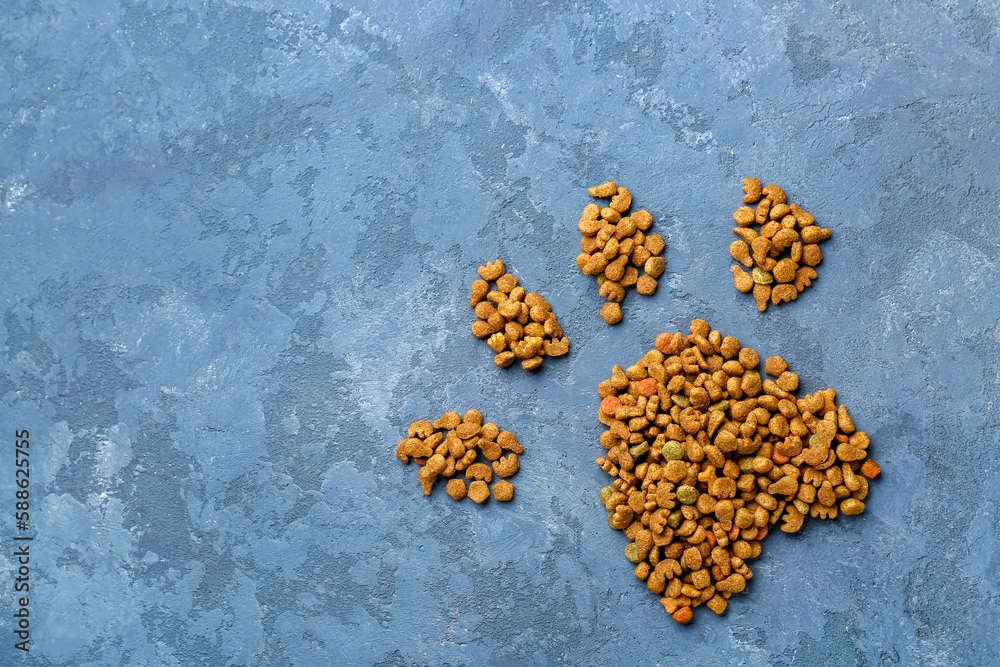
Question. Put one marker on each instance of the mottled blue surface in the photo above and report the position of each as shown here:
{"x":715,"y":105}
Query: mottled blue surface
{"x":237,"y":244}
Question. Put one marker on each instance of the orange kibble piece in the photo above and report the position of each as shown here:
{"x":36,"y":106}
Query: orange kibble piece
{"x":646,"y":387}
{"x":870,"y":469}
{"x":683,"y":615}
{"x":663,"y":343}
{"x":610,"y":404}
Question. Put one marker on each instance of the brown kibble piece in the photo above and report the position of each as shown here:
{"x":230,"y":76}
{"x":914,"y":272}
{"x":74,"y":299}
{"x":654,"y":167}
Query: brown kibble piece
{"x":814,"y":234}
{"x":506,"y":283}
{"x":803,"y":218}
{"x":784,"y":271}
{"x":811,"y":255}
{"x":783,"y":293}
{"x":491,"y":450}
{"x":742,"y":279}
{"x":479,"y":471}
{"x":448,"y":421}
{"x":504,"y":359}
{"x":642,"y":219}
{"x":774,"y":193}
{"x":532,"y":363}
{"x":654,"y":244}
{"x":744,"y":216}
{"x":507,"y":465}
{"x":508,"y":441}
{"x":604,"y":190}
{"x":503,"y":491}
{"x":556,"y":348}
{"x":654,"y":267}
{"x":611,"y":312}
{"x":479,"y":491}
{"x":753,"y":190}
{"x":804,"y":277}
{"x":630,"y":277}
{"x":456,"y":488}
{"x":852,"y":506}
{"x":479,"y":290}
{"x":492,"y":270}
{"x":741,"y":253}
{"x":646,"y":285}
{"x":717,"y":604}
{"x":761,"y":293}
{"x":621,"y":201}
{"x":775,"y":366}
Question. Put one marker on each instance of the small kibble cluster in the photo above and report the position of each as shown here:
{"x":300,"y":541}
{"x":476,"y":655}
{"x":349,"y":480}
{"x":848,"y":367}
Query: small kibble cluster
{"x":516,"y":324}
{"x":452,"y":444}
{"x":781,"y":252}
{"x":615,"y":247}
{"x":707,"y":455}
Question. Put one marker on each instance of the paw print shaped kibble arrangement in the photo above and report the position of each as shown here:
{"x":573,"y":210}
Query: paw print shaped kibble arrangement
{"x":516,"y":324}
{"x":780,"y":252}
{"x":449,"y":445}
{"x":615,"y":247}
{"x":706,"y":456}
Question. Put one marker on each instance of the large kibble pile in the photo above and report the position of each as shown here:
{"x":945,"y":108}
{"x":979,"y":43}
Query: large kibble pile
{"x":452,"y":444}
{"x":784,"y":256}
{"x":615,"y":248}
{"x":516,"y":324}
{"x":707,"y":455}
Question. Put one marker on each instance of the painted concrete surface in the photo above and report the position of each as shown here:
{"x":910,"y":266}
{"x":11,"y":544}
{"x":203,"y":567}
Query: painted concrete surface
{"x":238,"y":239}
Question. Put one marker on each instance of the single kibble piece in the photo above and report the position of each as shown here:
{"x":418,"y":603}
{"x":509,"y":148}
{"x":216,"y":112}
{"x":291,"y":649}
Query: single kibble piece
{"x":503,"y":491}
{"x":604,"y":190}
{"x":646,"y":285}
{"x":456,"y":488}
{"x":611,"y":312}
{"x":479,"y":491}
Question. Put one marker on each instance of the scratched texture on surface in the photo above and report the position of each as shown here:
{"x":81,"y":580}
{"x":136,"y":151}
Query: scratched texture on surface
{"x":237,"y":244}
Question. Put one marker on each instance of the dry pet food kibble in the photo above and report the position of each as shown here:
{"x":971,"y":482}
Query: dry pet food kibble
{"x":780,"y":252}
{"x":516,"y":324}
{"x":707,"y":455}
{"x":452,"y":445}
{"x":616,"y":248}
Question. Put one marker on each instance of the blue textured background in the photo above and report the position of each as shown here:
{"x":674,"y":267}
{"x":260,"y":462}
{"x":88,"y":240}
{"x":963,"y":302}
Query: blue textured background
{"x":237,"y":244}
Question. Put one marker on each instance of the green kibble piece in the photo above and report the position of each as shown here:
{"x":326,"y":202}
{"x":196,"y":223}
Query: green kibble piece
{"x":639,"y":449}
{"x":719,"y":405}
{"x":632,"y":552}
{"x":687,"y":495}
{"x":601,"y":278}
{"x":680,"y":400}
{"x":611,"y":519}
{"x":762,"y":277}
{"x":606,"y":493}
{"x":672,"y":450}
{"x":813,"y":440}
{"x":675,"y":519}
{"x":746,"y":464}
{"x":801,"y":505}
